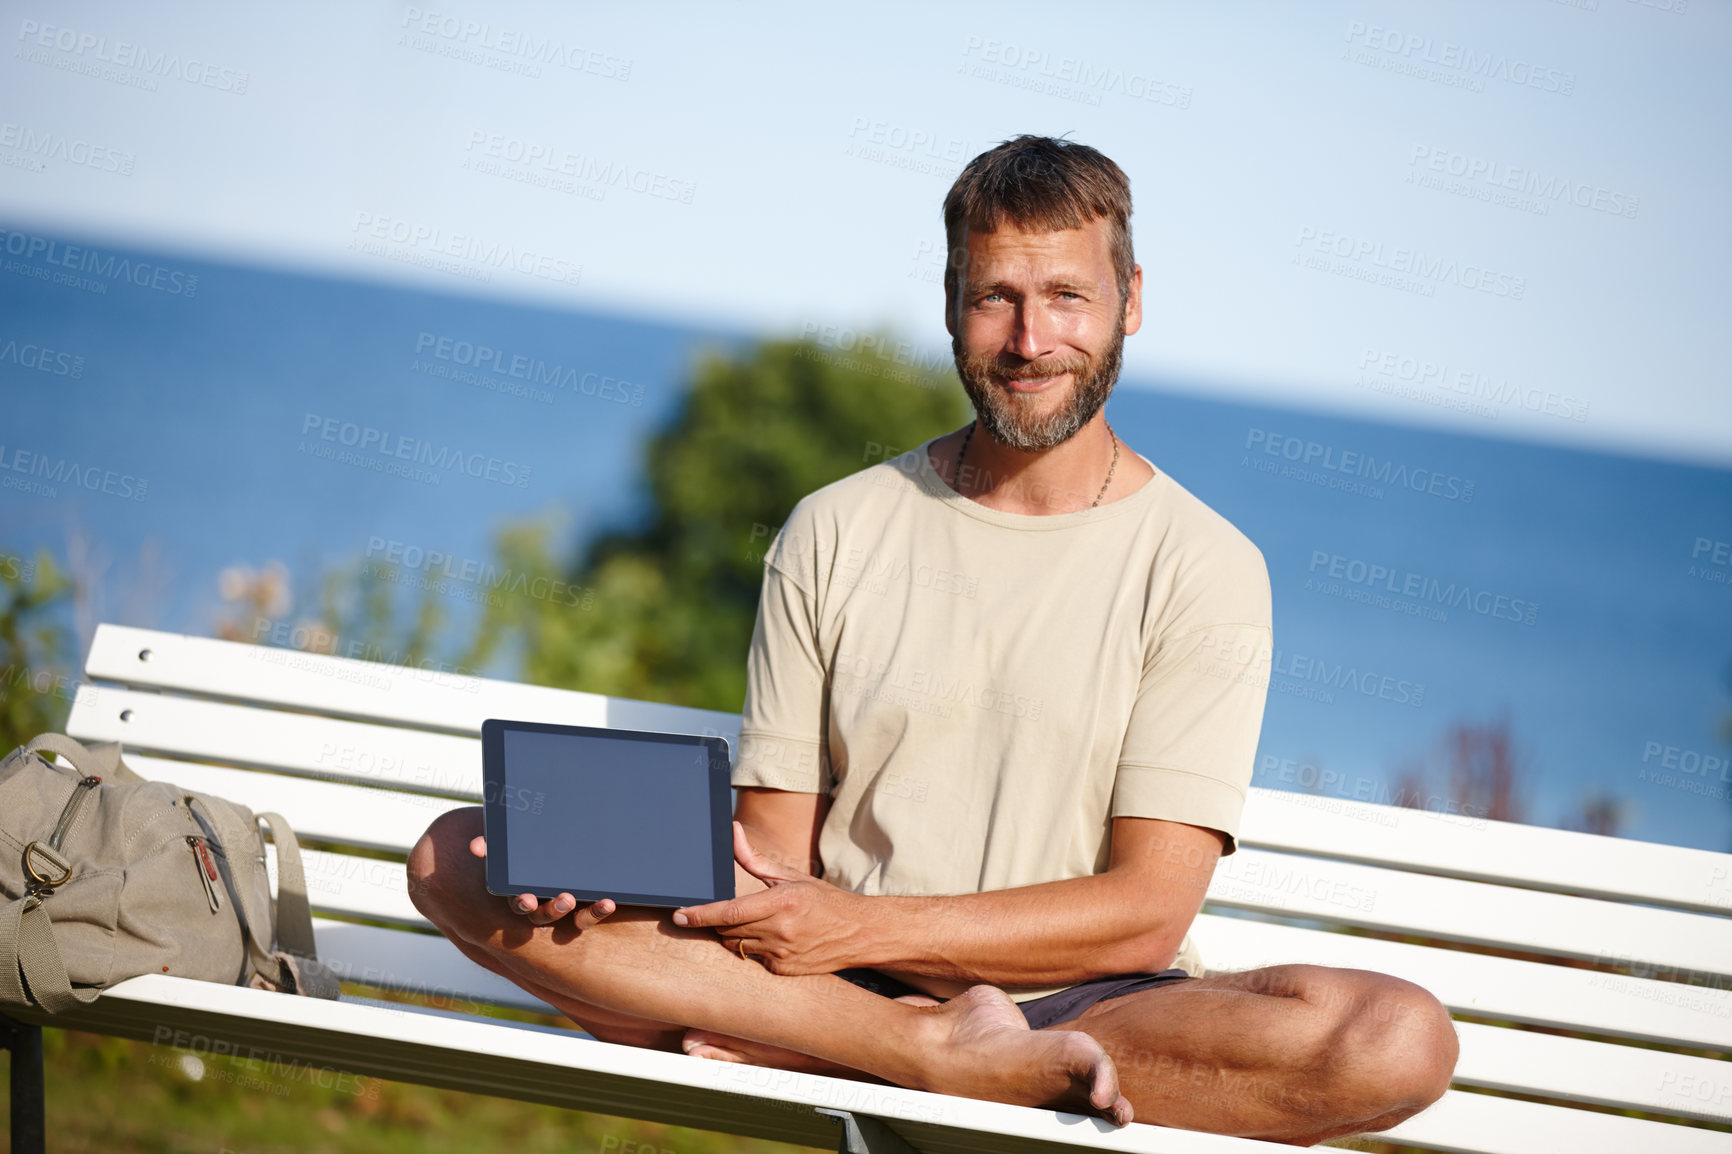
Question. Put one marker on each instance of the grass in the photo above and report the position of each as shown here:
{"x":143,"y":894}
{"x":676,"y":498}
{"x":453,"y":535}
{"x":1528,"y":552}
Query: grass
{"x":115,"y":1095}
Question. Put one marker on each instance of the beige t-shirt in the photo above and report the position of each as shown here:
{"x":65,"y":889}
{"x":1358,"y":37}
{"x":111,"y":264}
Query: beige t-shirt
{"x":981,"y":692}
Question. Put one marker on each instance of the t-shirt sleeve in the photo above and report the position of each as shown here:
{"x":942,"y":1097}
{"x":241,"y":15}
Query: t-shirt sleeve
{"x":782,"y":724}
{"x":1191,"y":742}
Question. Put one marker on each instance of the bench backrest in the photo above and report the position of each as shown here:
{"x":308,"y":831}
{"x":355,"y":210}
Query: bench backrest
{"x":1513,"y":927}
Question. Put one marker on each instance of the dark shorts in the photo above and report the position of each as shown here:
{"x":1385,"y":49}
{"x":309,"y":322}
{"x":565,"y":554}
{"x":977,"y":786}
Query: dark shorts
{"x":1040,"y":1012}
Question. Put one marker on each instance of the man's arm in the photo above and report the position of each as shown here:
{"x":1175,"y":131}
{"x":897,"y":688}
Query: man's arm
{"x":1131,"y":918}
{"x":783,"y":825}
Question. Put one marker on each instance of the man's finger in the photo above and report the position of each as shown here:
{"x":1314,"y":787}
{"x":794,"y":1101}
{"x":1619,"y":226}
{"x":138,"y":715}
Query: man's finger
{"x":723,"y":913}
{"x":478,"y":846}
{"x":552,"y":909}
{"x":596,"y":911}
{"x":732,"y":912}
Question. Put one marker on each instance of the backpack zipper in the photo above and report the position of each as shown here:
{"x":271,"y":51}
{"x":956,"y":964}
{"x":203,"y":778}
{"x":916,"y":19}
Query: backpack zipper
{"x":69,"y":813}
{"x":207,"y":871}
{"x":227,"y":875}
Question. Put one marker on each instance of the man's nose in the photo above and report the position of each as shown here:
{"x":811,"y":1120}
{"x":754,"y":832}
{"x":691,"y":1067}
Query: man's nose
{"x":1034,"y":334}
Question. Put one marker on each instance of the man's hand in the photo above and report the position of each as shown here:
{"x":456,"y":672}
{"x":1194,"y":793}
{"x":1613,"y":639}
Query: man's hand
{"x":800,"y":925}
{"x":589,"y":914}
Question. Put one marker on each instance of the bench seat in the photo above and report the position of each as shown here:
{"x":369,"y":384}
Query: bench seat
{"x":1522,"y":932}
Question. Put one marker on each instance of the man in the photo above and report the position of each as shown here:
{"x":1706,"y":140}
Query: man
{"x":980,"y":801}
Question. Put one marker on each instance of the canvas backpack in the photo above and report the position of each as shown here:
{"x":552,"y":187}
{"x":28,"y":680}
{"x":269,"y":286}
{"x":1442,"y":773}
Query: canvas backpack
{"x":105,"y":876}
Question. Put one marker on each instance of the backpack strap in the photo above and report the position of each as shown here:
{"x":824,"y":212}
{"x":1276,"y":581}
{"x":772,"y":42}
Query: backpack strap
{"x":294,"y":914}
{"x":100,"y":759}
{"x":297,"y":951}
{"x":30,"y":957}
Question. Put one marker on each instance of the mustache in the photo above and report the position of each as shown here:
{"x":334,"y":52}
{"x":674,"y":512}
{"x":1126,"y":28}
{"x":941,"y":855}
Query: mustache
{"x":1015,"y":368}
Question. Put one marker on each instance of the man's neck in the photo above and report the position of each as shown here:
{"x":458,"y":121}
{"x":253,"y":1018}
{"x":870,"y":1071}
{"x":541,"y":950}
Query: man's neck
{"x":1063,"y":479}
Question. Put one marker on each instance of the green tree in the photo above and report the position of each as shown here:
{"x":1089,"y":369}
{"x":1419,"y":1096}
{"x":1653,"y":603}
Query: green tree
{"x":671,"y":604}
{"x":36,"y":691}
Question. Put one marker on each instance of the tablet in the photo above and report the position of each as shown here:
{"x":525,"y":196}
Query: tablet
{"x":642,"y":818}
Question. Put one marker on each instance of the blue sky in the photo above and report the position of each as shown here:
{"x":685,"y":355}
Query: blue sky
{"x":215,"y":401}
{"x":764,"y":165}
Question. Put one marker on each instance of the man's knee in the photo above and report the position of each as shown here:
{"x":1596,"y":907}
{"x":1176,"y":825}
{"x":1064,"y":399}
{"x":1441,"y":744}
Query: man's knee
{"x":1402,"y":1041}
{"x":440,"y":869}
{"x":1423,"y":1040}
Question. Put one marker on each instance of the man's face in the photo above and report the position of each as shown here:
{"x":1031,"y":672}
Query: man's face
{"x":1038,"y":333}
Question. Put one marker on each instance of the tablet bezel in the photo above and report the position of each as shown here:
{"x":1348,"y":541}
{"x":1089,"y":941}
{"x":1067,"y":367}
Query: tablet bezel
{"x":494,"y":812}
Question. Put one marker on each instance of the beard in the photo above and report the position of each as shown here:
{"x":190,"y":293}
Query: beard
{"x":1011,"y":418}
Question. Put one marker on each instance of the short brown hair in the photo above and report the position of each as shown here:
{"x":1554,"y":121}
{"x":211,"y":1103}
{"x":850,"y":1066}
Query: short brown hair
{"x":1042,"y":184}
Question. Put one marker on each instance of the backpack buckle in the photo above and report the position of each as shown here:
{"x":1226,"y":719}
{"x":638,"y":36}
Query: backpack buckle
{"x":47,"y":854}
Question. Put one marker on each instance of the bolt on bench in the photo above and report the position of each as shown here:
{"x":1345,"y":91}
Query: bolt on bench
{"x":1627,"y":942}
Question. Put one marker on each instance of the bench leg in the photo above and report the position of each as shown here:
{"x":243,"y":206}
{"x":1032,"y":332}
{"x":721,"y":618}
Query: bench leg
{"x":29,"y":1132}
{"x":863,"y":1134}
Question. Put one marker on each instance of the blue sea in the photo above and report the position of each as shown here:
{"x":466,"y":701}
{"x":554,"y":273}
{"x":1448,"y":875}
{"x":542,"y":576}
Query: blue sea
{"x":169,"y":417}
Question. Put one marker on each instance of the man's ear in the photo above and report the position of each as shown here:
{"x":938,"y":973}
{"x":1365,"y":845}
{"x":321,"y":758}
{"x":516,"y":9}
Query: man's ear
{"x":955,"y":270}
{"x":1134,"y":301}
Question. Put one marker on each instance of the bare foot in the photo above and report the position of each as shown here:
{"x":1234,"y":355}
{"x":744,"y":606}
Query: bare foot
{"x":982,"y":1048}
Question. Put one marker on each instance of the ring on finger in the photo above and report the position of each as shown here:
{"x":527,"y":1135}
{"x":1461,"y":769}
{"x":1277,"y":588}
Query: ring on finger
{"x":740,"y":944}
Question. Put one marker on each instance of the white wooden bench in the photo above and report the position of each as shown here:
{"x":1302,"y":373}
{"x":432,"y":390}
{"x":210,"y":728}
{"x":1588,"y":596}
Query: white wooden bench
{"x":360,"y":757}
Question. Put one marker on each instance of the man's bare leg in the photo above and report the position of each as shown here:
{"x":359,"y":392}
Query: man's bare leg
{"x":1289,"y":1053}
{"x":722,"y":1048}
{"x":644,"y":972}
{"x":631,"y":1030}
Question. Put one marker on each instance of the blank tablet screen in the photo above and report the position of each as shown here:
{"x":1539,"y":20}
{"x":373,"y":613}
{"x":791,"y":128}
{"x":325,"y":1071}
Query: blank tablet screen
{"x":594,"y":813}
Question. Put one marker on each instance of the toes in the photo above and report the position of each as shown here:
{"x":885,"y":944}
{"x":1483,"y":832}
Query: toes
{"x":1096,"y":1066}
{"x":715,"y":1054}
{"x":709,"y":1052}
{"x":698,"y":1044}
{"x":1104,"y":1085}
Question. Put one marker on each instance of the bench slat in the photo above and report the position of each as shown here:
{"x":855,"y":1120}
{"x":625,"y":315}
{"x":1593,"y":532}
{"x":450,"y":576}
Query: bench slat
{"x":1467,"y":911}
{"x":355,"y":887}
{"x":1486,"y":986}
{"x":1600,"y":1073}
{"x":368,"y":690}
{"x":350,"y":815}
{"x":579,"y":1073}
{"x":418,"y":964}
{"x":272,"y":739}
{"x":1461,"y":846}
{"x":1466,"y":1123}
